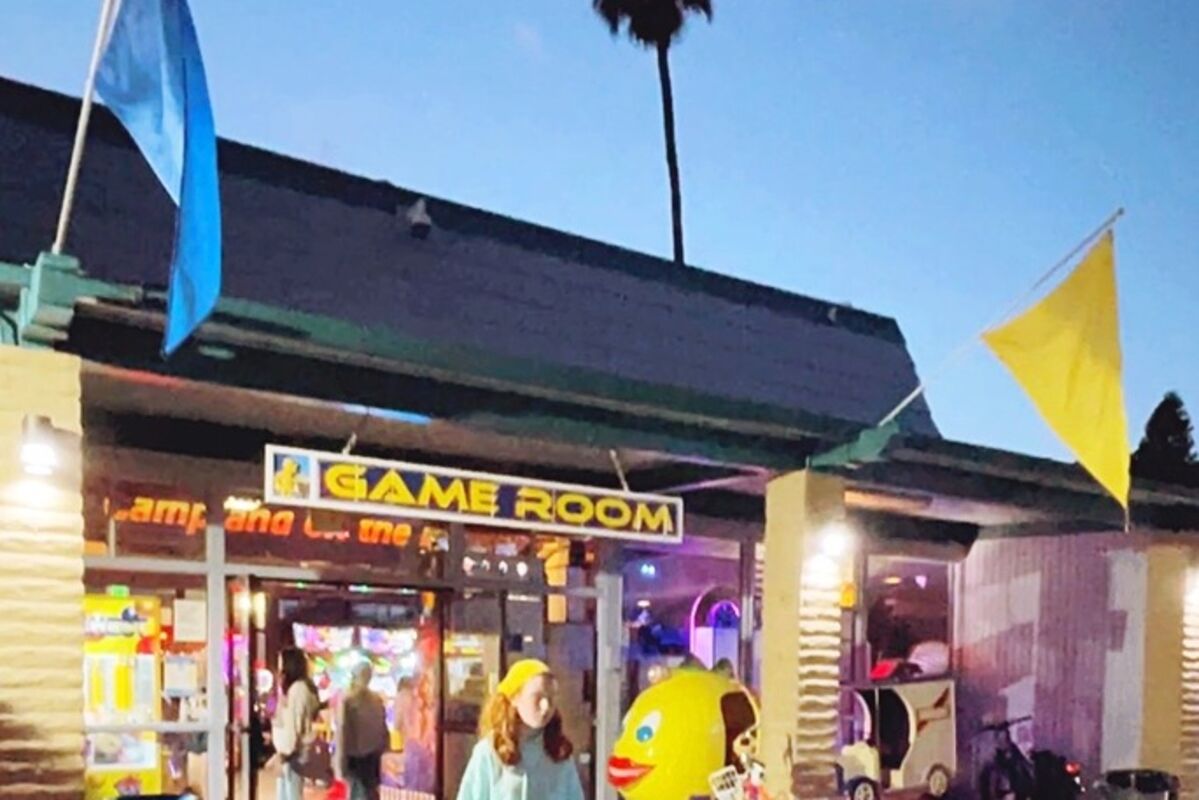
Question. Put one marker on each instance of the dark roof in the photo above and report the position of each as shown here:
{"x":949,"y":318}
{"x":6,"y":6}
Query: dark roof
{"x":306,"y":237}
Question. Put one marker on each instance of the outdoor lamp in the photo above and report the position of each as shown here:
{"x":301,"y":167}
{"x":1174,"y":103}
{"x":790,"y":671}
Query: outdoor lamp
{"x":836,"y":539}
{"x":39,"y":456}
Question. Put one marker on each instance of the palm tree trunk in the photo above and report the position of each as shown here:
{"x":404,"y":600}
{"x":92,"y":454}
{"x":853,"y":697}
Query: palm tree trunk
{"x":672,"y":155}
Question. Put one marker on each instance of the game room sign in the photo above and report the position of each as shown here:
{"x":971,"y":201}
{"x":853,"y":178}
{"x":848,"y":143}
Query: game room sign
{"x":313,"y":479}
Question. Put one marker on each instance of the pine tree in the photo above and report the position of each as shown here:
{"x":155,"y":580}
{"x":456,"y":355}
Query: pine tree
{"x":1167,"y":451}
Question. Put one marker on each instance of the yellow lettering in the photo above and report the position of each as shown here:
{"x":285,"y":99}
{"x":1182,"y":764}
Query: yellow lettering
{"x":142,"y":511}
{"x":310,"y":529}
{"x":484,"y":497}
{"x":346,"y":481}
{"x":575,"y":509}
{"x":613,"y":513}
{"x":392,"y":490}
{"x":433,"y":494}
{"x":533,"y":502}
{"x":198,"y":519}
{"x":654,"y":519}
{"x":259,"y":521}
{"x":282,"y":523}
{"x":370,"y":531}
{"x":401,"y":534}
{"x":172,"y":512}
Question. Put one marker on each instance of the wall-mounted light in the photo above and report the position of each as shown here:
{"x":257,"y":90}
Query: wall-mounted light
{"x":836,"y":539}
{"x":648,"y":569}
{"x":822,"y":572}
{"x":39,"y":455}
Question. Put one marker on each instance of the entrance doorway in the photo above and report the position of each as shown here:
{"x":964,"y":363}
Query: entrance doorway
{"x":397,"y":631}
{"x":435,"y":655}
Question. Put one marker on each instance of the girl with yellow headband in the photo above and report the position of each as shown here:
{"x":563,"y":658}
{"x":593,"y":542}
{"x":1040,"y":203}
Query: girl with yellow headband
{"x":522,"y":752}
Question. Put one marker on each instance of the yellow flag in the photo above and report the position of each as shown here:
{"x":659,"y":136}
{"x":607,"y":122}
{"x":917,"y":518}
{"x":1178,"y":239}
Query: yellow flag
{"x":1065,"y":353}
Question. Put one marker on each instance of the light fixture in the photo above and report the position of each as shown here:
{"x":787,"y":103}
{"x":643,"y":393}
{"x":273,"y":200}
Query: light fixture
{"x":893,"y":580}
{"x":821,"y":572}
{"x":643,"y":604}
{"x":39,"y":457}
{"x":922,"y":581}
{"x":259,"y":607}
{"x":244,"y":603}
{"x":836,"y":539}
{"x":419,"y":221}
{"x":648,"y":569}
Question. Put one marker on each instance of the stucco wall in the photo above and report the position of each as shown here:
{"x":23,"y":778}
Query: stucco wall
{"x":41,"y":588}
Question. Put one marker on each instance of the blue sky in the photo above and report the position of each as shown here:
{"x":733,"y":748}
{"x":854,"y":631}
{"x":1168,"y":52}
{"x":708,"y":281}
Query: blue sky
{"x":925,"y":159}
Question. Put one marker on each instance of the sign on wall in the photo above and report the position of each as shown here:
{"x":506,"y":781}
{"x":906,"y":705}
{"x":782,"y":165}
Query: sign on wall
{"x":314,"y":479}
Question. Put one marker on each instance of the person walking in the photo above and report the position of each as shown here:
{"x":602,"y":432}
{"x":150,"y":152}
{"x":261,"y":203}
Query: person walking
{"x":362,"y":736}
{"x":522,"y":753}
{"x":293,"y":732}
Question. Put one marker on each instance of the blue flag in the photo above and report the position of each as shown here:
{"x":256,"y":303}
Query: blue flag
{"x":152,"y":77}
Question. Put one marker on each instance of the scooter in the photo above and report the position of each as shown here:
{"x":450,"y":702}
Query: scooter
{"x":1010,"y":775}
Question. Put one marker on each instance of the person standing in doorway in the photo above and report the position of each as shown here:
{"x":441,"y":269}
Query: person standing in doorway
{"x":293,"y":731}
{"x":522,"y":752}
{"x":362,"y":736}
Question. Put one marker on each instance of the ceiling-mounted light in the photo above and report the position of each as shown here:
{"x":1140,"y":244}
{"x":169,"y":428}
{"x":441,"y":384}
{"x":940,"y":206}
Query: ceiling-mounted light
{"x":39,"y":456}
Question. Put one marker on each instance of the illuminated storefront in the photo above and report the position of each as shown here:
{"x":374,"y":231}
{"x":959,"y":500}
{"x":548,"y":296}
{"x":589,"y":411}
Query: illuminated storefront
{"x":439,"y":577}
{"x":489,"y":348}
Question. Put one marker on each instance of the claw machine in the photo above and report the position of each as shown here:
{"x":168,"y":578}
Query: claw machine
{"x":122,"y":667}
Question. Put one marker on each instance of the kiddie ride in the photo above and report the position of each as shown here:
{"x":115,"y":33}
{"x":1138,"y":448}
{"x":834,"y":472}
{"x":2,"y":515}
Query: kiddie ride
{"x":898,"y":738}
{"x":691,"y":735}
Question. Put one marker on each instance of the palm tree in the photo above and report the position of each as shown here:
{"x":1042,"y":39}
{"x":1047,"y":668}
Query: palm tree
{"x":656,"y":24}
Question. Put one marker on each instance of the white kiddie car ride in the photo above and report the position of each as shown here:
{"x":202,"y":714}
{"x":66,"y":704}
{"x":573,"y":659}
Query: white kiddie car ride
{"x":898,"y":738}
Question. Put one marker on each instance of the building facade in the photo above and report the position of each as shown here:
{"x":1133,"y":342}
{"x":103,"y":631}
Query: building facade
{"x":529,"y":364}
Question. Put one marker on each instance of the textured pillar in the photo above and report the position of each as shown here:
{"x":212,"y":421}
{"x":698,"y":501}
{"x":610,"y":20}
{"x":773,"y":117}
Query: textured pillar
{"x":1163,"y":683}
{"x":1189,"y":705}
{"x":801,"y":636}
{"x":41,"y":586}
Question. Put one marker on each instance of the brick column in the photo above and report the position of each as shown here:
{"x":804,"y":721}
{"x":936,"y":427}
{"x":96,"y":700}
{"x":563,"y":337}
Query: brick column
{"x":41,"y":586}
{"x":801,"y":637}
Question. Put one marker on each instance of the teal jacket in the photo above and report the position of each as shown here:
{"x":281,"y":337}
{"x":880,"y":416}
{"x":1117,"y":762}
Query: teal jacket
{"x":536,"y":777}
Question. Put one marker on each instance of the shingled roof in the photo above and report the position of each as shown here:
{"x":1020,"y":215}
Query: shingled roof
{"x":313,"y":239}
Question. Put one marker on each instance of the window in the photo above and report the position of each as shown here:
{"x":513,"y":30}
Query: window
{"x":145,"y":704}
{"x":128,"y":518}
{"x":908,"y":619}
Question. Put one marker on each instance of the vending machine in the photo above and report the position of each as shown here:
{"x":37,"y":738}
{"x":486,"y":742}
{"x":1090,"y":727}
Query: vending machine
{"x":122,"y":686}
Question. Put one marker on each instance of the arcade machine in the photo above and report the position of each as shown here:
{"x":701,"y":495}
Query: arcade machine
{"x":404,"y":664}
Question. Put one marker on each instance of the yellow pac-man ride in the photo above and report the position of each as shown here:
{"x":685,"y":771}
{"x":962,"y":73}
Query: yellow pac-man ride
{"x":677,"y":733}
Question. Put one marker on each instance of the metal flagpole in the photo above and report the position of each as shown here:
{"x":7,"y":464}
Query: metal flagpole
{"x":85,"y":113}
{"x":965,"y":346}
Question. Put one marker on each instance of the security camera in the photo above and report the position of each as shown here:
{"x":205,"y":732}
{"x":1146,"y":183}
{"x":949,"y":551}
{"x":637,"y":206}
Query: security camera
{"x":419,"y":221}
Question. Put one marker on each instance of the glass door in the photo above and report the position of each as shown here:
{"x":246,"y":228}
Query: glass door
{"x":338,"y":628}
{"x":486,"y":631}
{"x":474,"y":663}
